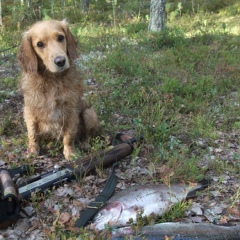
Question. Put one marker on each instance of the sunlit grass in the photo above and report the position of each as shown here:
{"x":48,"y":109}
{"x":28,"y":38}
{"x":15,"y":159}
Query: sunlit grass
{"x":166,"y":84}
{"x":173,"y":87}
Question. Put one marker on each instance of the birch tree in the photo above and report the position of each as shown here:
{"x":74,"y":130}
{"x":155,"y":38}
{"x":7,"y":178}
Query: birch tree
{"x":52,"y":8}
{"x":157,"y":15}
{"x":85,"y":5}
{"x":0,"y":13}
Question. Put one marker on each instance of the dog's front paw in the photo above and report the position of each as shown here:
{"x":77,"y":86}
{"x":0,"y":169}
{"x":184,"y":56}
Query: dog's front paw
{"x":69,"y":153}
{"x":33,"y":150}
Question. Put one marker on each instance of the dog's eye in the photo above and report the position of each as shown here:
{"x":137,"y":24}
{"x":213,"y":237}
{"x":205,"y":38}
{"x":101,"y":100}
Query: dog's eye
{"x":40,"y":44}
{"x":60,"y":38}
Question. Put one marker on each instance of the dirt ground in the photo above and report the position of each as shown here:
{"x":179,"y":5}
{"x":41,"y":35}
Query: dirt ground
{"x":219,"y":204}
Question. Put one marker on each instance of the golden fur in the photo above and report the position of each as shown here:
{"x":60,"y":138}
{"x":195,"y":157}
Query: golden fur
{"x":52,"y":87}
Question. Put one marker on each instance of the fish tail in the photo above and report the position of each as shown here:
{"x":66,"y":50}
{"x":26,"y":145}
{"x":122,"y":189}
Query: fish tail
{"x":205,"y":182}
{"x":202,"y":184}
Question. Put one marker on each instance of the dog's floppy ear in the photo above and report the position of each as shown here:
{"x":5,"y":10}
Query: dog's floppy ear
{"x":71,"y":41}
{"x":26,"y":55}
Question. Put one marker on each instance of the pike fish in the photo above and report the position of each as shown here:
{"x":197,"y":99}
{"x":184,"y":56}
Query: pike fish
{"x":145,"y":199}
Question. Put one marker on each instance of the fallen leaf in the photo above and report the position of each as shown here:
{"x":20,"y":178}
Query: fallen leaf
{"x":29,"y":210}
{"x":162,"y":169}
{"x":64,"y":218}
{"x":218,"y":150}
{"x":223,"y":220}
{"x":217,"y":210}
{"x":196,"y":209}
{"x":197,"y":219}
{"x":2,"y":163}
{"x":234,"y":211}
{"x":52,"y":210}
{"x":215,"y":193}
{"x":76,"y":186}
{"x":64,"y":191}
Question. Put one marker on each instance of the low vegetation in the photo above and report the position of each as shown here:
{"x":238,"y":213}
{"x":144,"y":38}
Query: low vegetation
{"x":179,"y":88}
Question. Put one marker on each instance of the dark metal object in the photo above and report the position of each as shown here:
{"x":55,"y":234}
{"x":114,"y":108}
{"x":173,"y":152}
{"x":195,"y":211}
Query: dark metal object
{"x":9,"y":195}
{"x":9,"y":204}
{"x":78,"y":168}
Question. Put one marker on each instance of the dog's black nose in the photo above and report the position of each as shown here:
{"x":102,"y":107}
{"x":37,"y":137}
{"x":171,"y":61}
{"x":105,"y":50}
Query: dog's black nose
{"x":60,"y":61}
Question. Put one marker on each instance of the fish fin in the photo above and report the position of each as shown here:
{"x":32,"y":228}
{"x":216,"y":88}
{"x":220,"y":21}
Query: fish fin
{"x":130,"y":214}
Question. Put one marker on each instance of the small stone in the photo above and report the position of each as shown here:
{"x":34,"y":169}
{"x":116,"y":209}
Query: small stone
{"x":216,"y":210}
{"x":196,"y":209}
{"x":215,"y":193}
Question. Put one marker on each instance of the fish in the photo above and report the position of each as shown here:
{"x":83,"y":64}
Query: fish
{"x":181,"y":231}
{"x":145,"y":199}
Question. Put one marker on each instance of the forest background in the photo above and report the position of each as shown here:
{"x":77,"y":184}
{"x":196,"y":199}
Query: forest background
{"x":178,"y":87}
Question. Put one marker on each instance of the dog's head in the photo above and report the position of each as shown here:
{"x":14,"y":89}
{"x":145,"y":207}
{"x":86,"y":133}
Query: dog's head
{"x":50,"y":42}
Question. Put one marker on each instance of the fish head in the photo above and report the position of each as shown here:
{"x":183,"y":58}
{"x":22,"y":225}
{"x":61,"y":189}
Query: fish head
{"x":108,"y":215}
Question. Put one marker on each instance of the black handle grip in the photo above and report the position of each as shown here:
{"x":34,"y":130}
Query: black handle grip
{"x":19,"y":170}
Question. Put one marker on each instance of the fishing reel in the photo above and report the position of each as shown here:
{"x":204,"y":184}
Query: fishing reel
{"x":9,"y":203}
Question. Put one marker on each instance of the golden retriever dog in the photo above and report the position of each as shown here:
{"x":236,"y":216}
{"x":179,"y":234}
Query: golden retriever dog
{"x":52,"y":88}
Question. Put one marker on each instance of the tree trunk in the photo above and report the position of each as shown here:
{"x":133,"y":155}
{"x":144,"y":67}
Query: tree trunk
{"x":52,"y":8}
{"x":63,"y":8}
{"x":0,"y":13}
{"x":157,"y":15}
{"x":85,"y":5}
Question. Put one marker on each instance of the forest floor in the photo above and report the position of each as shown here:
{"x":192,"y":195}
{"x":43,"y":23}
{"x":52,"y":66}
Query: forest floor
{"x":178,"y":88}
{"x":219,"y":204}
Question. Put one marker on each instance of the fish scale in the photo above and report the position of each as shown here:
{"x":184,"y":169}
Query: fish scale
{"x":145,"y":199}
